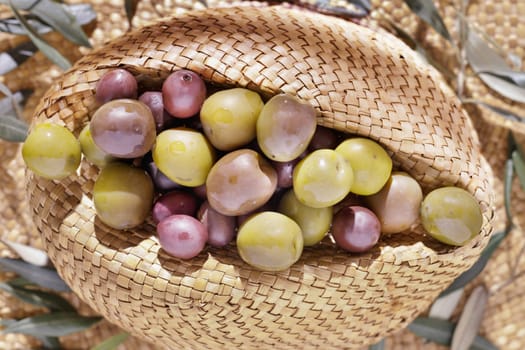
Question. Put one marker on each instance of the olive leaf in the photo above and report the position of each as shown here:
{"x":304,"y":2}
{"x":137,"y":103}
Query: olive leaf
{"x":501,"y":111}
{"x":440,"y":332}
{"x":56,"y":15}
{"x":13,"y":129}
{"x":43,"y":46}
{"x":49,"y":343}
{"x":112,"y":342}
{"x":83,"y":14}
{"x":56,"y":324}
{"x":469,"y":275}
{"x":470,"y":320}
{"x":492,"y":68}
{"x":427,"y":11}
{"x":131,"y":8}
{"x":36,"y":297}
{"x":27,"y":253}
{"x":11,"y":59}
{"x":444,"y":306}
{"x":42,"y":276}
{"x":361,"y":8}
{"x":519,"y":166}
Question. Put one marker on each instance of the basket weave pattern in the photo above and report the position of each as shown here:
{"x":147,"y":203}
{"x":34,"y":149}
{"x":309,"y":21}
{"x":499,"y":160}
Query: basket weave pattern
{"x":360,"y":82}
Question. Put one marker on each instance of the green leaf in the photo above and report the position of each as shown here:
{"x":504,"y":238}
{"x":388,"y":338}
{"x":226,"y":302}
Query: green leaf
{"x":6,"y":322}
{"x":56,"y":324}
{"x":14,"y":57}
{"x":507,"y":188}
{"x":54,"y":14}
{"x":517,"y":78}
{"x":42,"y":276}
{"x":481,"y":343}
{"x":37,"y":297}
{"x":445,"y":305}
{"x":378,"y":346}
{"x":433,"y":329}
{"x":50,"y":343}
{"x":427,"y":11}
{"x":493,"y":69}
{"x":131,"y":8}
{"x":469,"y":275}
{"x":27,"y":253}
{"x":12,"y":129}
{"x":519,"y":166}
{"x":361,"y":7}
{"x":503,"y":112}
{"x":43,"y":46}
{"x":112,"y":342}
{"x":20,"y":282}
{"x":469,"y":322}
{"x":440,"y":332}
{"x":83,"y":13}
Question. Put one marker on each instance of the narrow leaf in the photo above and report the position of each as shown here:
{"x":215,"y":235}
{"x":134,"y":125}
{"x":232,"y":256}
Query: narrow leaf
{"x":519,"y":166}
{"x":37,"y":297}
{"x":27,"y":253}
{"x":444,"y":306}
{"x":507,"y":188}
{"x":12,"y":129}
{"x":378,"y":346}
{"x":20,"y":282}
{"x":493,"y":69}
{"x":433,"y":329}
{"x":112,"y":342}
{"x":470,"y":320}
{"x":469,"y":275}
{"x":440,"y":332}
{"x":503,"y":112}
{"x":56,"y":324}
{"x":6,"y":322}
{"x":50,"y":343}
{"x":131,"y":8}
{"x":54,"y":14}
{"x":14,"y":57}
{"x":427,"y":11}
{"x":83,"y":13}
{"x":517,"y":78}
{"x":481,"y":343}
{"x":42,"y":276}
{"x":362,"y":3}
{"x":6,"y":103}
{"x":43,"y":46}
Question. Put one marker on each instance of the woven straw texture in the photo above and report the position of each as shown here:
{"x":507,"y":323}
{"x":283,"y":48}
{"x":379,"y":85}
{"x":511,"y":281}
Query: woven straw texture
{"x":504,"y":22}
{"x":360,"y":82}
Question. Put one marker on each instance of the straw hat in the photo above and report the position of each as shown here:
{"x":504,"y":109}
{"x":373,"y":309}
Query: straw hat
{"x":328,"y":298}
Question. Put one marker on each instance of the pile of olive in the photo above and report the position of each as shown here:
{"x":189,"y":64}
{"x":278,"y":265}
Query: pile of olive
{"x":211,"y":167}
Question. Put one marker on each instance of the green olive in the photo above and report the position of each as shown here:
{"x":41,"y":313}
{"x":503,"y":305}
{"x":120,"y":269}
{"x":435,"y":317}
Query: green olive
{"x":51,"y":151}
{"x":451,"y":215}
{"x":123,"y":195}
{"x":229,"y":117}
{"x":314,"y":222}
{"x":322,"y":178}
{"x":184,"y":156}
{"x":370,"y":162}
{"x":270,"y":241}
{"x":91,"y":151}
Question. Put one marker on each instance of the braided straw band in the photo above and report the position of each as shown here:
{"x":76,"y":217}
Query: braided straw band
{"x":359,"y":81}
